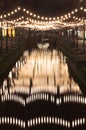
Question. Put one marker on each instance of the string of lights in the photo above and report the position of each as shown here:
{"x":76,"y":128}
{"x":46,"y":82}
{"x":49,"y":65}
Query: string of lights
{"x":36,"y":21}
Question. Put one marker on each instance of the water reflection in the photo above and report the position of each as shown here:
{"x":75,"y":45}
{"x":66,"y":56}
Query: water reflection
{"x":41,"y":70}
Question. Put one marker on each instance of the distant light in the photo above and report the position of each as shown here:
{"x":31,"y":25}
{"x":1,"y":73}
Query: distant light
{"x":81,"y":8}
{"x":54,"y":18}
{"x":12,"y":12}
{"x":38,"y":17}
{"x":84,"y":10}
{"x":1,"y":16}
{"x":8,"y":14}
{"x":46,"y":18}
{"x":22,"y":17}
{"x":5,"y":16}
{"x":31,"y":13}
{"x":76,"y":10}
{"x":27,"y":12}
{"x":72,"y":12}
{"x":15,"y":10}
{"x":61,"y":17}
{"x":24,"y":10}
{"x":49,"y":18}
{"x":42,"y":17}
{"x":27,"y":18}
{"x":34,"y":15}
{"x":69,"y":14}
{"x":19,"y":8}
{"x":58,"y":18}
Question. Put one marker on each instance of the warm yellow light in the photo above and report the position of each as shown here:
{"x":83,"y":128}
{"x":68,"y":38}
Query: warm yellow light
{"x":84,"y":10}
{"x":54,"y":18}
{"x":76,"y":10}
{"x":27,"y":12}
{"x":76,"y":18}
{"x":38,"y":16}
{"x":19,"y":18}
{"x":12,"y":12}
{"x":72,"y":12}
{"x":24,"y":10}
{"x":34,"y":15}
{"x":4,"y":32}
{"x":14,"y":20}
{"x":42,"y":17}
{"x":31,"y":13}
{"x":8,"y":14}
{"x":58,"y":18}
{"x":19,"y":8}
{"x":15,"y":10}
{"x":65,"y":15}
{"x":27,"y":18}
{"x":13,"y":32}
{"x":22,"y":17}
{"x":69,"y":14}
{"x":61,"y":17}
{"x":5,"y":15}
{"x":49,"y":18}
{"x":81,"y":8}
{"x":46,"y":18}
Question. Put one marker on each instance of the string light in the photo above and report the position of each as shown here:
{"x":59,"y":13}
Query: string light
{"x":46,"y":20}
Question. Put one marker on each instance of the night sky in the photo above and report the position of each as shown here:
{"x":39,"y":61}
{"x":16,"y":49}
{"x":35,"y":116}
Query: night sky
{"x":41,"y":7}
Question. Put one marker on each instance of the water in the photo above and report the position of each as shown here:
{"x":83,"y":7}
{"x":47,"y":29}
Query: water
{"x":41,"y":71}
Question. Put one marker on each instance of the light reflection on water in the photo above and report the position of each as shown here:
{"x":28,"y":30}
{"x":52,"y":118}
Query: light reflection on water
{"x":43,"y":70}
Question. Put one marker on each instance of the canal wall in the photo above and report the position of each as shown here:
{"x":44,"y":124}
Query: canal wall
{"x":9,"y":58}
{"x":76,"y":64}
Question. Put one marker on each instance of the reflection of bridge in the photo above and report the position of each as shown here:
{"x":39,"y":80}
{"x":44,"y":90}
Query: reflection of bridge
{"x":42,"y":110}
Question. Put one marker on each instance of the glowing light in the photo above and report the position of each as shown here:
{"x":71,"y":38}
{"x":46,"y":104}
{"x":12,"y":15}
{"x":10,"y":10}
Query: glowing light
{"x":69,"y":14}
{"x":22,"y":17}
{"x":15,"y":10}
{"x":27,"y":18}
{"x":8,"y":14}
{"x":5,"y":15}
{"x":12,"y":12}
{"x":81,"y":8}
{"x":49,"y":18}
{"x":34,"y":15}
{"x":19,"y":8}
{"x":46,"y":18}
{"x":54,"y":18}
{"x":42,"y":17}
{"x":27,"y":12}
{"x":72,"y":12}
{"x":38,"y":16}
{"x":76,"y":10}
{"x":61,"y":17}
{"x":84,"y":10}
{"x":31,"y":13}
{"x":24,"y":10}
{"x":58,"y":18}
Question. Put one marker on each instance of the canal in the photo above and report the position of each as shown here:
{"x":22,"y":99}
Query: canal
{"x":40,"y":70}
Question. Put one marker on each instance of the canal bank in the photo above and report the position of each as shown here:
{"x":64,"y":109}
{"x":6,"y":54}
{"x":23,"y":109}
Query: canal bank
{"x":10,"y":56}
{"x":76,"y":63}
